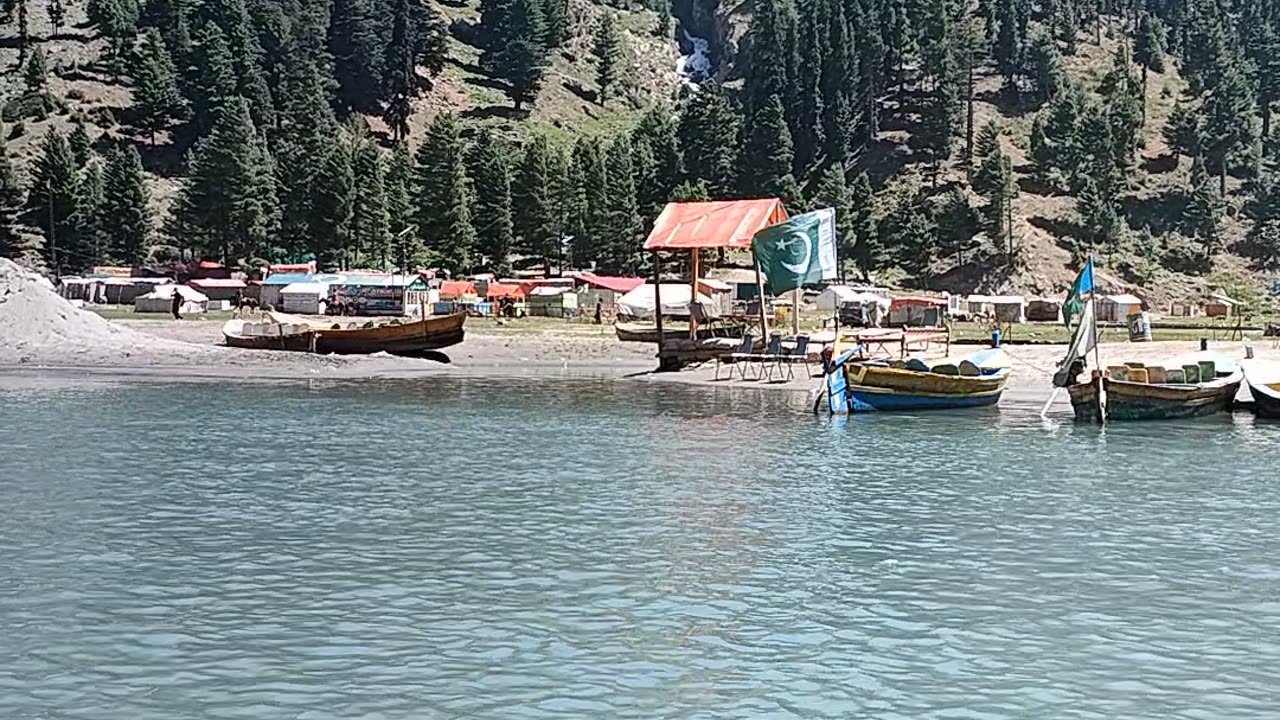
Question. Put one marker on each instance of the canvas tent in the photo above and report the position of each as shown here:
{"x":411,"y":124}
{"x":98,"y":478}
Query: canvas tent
{"x":1004,"y":308}
{"x":639,"y":303}
{"x":307,"y":298}
{"x":219,"y":288}
{"x":836,"y":295}
{"x":917,"y":310}
{"x":1118,"y":308}
{"x":160,"y":300}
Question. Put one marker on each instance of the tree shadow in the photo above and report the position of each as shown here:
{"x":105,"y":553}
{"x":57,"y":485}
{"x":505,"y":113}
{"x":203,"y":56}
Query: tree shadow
{"x":1161,"y":165}
{"x":1010,"y":104}
{"x":1064,"y":232}
{"x":162,"y":159}
{"x":95,"y":72}
{"x":583,"y":92}
{"x":505,"y":112}
{"x":467,"y":33}
{"x":69,"y":36}
{"x":1161,"y":213}
{"x":1030,"y":185}
{"x":883,"y":159}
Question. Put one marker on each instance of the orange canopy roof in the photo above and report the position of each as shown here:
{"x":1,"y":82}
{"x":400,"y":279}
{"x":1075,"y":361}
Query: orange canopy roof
{"x":713,"y":224}
{"x":501,"y":290}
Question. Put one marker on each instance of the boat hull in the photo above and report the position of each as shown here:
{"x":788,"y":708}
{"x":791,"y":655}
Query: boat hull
{"x":645,"y":333}
{"x":873,"y":388}
{"x":324,"y":336}
{"x":1127,"y":401}
{"x":1266,"y":401}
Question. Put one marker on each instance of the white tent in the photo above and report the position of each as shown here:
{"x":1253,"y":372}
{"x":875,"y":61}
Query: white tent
{"x":835,"y":295}
{"x":1118,"y":308}
{"x":639,"y":303}
{"x":307,"y":298}
{"x":1005,"y":308}
{"x":160,"y":300}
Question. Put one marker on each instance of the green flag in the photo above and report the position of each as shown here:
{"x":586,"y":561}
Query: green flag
{"x":797,"y":252}
{"x":1073,"y":306}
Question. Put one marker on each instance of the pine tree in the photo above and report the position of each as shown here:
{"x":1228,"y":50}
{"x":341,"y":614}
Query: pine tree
{"x":942,"y":86}
{"x":1202,"y":209}
{"x":211,"y":81}
{"x":621,"y":219}
{"x":16,"y":244}
{"x":771,"y":54}
{"x":1058,"y":147}
{"x":958,"y":224}
{"x":1226,"y":118}
{"x":357,"y":56}
{"x":36,"y":73}
{"x":1149,"y":50}
{"x":400,"y":78}
{"x":400,"y":206}
{"x":490,"y":170}
{"x":57,"y":14}
{"x":708,"y":135}
{"x":607,"y":50}
{"x":370,"y":226}
{"x":80,"y":143}
{"x":1122,"y":103}
{"x":655,"y":138}
{"x":1044,"y":67}
{"x":915,"y":238}
{"x":443,"y":194}
{"x":867,"y":250}
{"x":1262,"y":244}
{"x":840,"y":77}
{"x":1099,"y":218}
{"x":307,"y":132}
{"x":768,"y":156}
{"x":246,"y":58}
{"x":91,"y":218}
{"x":125,"y":205}
{"x":228,"y":205}
{"x":155,"y":89}
{"x":555,"y":13}
{"x":535,"y":227}
{"x":52,"y":200}
{"x":997,"y":184}
{"x":495,"y":24}
{"x":117,"y":20}
{"x":1011,"y":39}
{"x":24,"y":34}
{"x":1266,"y":59}
{"x":332,"y":202}
{"x":1182,"y":132}
{"x":590,"y":227}
{"x":808,"y":127}
{"x":524,"y":53}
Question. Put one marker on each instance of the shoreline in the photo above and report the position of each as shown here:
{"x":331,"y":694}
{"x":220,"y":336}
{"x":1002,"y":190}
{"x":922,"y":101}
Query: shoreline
{"x":190,"y":351}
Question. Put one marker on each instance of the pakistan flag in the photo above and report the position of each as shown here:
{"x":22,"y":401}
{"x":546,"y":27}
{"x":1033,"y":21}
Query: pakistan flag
{"x":797,"y":252}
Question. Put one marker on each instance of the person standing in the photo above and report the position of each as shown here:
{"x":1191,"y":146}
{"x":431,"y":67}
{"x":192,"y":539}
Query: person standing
{"x":175,"y":305}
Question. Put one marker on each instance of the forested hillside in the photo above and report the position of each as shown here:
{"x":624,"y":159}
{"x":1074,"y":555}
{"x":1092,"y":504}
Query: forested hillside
{"x":967,"y":144}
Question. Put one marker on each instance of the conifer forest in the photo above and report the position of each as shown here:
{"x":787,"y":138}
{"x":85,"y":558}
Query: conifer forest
{"x":966,"y":144}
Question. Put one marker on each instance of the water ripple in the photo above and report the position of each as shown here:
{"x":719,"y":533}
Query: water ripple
{"x":452,"y":548}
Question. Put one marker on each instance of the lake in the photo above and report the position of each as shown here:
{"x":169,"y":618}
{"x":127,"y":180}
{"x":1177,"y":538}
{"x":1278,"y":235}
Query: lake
{"x":468,"y":548}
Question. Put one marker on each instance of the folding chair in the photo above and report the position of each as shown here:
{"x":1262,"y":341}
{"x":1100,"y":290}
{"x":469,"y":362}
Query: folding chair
{"x":743,"y":352}
{"x":698,"y":314}
{"x":770,"y":355}
{"x":798,"y":355}
{"x":772,"y":359}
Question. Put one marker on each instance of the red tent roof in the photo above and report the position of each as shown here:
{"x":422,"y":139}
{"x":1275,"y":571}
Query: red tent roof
{"x":714,"y":224}
{"x":923,"y":300}
{"x":292,"y":267}
{"x":217,"y":283}
{"x":501,"y":290}
{"x":208,"y":265}
{"x":456,"y":288}
{"x":615,"y":283}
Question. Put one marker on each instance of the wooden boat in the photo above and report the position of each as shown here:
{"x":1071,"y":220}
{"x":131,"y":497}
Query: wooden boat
{"x":1129,"y":400}
{"x":646,"y":333}
{"x":1266,"y":397}
{"x":855,"y":386}
{"x":346,"y":336}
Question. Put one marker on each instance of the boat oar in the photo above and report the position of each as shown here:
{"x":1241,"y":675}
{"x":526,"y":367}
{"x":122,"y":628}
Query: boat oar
{"x":1044,"y":411}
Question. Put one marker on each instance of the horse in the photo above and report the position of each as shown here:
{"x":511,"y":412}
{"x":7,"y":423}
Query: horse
{"x":243,"y":303}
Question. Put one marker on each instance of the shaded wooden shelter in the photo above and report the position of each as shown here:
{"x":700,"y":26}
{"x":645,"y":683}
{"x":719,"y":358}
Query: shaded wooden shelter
{"x":709,"y":225}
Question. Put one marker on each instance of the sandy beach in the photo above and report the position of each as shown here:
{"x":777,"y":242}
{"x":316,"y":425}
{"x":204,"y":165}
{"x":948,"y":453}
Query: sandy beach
{"x":44,"y":335}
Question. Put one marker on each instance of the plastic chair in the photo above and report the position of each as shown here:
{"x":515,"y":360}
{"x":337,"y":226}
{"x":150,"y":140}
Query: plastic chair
{"x":738,"y":357}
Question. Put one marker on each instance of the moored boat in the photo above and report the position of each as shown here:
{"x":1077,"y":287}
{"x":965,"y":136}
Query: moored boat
{"x":856,"y":386}
{"x":1129,"y":393}
{"x":647,"y":333}
{"x":345,"y":336}
{"x":1266,"y":397}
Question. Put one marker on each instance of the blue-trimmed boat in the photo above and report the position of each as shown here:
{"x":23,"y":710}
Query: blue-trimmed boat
{"x":859,"y":386}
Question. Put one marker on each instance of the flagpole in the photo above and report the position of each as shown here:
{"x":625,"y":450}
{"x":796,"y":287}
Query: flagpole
{"x":1097,"y":354}
{"x":795,"y":310}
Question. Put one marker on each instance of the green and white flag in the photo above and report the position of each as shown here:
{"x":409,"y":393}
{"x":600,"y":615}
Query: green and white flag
{"x":798,"y":252}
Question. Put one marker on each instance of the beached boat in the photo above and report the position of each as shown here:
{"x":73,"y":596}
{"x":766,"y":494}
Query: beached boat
{"x":855,"y":386}
{"x":1130,"y":393}
{"x":345,"y":336}
{"x":647,"y":333}
{"x":1266,"y":396}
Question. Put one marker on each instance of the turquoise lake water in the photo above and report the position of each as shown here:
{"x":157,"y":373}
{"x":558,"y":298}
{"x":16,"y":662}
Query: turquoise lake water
{"x":455,"y":548}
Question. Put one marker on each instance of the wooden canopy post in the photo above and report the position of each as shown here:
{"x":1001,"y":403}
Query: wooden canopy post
{"x":693,"y":294}
{"x":657,"y":299}
{"x":764,"y":319}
